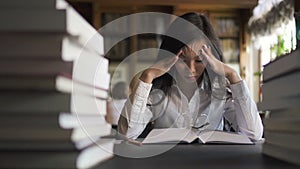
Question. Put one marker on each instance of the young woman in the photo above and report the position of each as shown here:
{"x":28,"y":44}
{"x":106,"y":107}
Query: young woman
{"x":190,"y":87}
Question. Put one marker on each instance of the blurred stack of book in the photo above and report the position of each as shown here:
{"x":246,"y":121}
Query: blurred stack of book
{"x":54,"y":85}
{"x":281,"y":96}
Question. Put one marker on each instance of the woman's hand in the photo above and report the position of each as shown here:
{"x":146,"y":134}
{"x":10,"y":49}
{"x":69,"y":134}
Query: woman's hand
{"x":159,"y":68}
{"x":218,"y":66}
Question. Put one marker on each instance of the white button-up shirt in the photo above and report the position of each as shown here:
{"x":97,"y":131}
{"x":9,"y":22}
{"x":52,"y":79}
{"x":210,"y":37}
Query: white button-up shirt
{"x":203,"y":108}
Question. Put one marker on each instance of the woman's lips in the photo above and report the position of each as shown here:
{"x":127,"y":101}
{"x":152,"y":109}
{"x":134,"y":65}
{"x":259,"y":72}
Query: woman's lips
{"x":193,"y":78}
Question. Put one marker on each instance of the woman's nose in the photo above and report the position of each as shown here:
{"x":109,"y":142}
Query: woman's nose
{"x":191,"y":66}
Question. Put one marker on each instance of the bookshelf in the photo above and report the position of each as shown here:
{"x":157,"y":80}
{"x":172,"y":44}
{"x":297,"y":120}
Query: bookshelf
{"x":127,"y":50}
{"x":122,"y":48}
{"x":227,"y":26}
{"x":136,"y":41}
{"x":228,"y":22}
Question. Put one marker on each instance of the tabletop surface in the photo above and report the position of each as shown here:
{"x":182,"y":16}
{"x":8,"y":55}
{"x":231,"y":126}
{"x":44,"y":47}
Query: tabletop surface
{"x":163,"y":156}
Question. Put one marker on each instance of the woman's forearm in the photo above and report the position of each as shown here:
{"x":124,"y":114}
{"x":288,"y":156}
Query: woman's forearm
{"x":135,"y":112}
{"x":247,"y":116}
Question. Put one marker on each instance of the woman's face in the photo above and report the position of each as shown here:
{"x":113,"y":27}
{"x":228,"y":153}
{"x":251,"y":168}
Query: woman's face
{"x":189,"y":65}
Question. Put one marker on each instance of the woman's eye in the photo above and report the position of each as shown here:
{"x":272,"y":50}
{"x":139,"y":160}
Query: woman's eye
{"x":198,"y":61}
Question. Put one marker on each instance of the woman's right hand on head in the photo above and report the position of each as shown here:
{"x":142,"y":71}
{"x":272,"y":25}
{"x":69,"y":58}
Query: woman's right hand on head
{"x":159,"y":68}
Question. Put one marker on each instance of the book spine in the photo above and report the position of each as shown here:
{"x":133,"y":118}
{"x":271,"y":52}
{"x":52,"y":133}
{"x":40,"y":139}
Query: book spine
{"x":289,"y":155}
{"x":282,"y":125}
{"x":285,"y":114}
{"x":38,"y":159}
{"x":279,"y":103}
{"x":39,"y":134}
{"x":284,"y":86}
{"x":55,"y":46}
{"x":30,"y":120}
{"x":28,"y":4}
{"x":29,"y":102}
{"x":288,"y":140}
{"x":281,"y":66}
{"x":33,"y":20}
{"x":35,"y":67}
{"x":32,"y":83}
{"x":34,"y":145}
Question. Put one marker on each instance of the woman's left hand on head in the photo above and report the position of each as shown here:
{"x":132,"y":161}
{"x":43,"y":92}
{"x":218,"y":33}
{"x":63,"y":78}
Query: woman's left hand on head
{"x":217,"y":66}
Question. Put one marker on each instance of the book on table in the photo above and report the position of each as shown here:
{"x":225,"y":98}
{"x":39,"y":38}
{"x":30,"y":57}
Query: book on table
{"x":61,"y":18}
{"x":283,"y":124}
{"x":287,"y":139}
{"x":284,"y":114}
{"x":281,"y":87}
{"x":88,"y":157}
{"x":54,"y":85}
{"x":53,"y":102}
{"x":40,"y":46}
{"x":51,"y":120}
{"x":289,"y":102}
{"x":53,"y":133}
{"x":291,"y":155}
{"x":183,"y":135}
{"x":282,"y":66}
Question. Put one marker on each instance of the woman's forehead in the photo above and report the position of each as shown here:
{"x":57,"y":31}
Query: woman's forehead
{"x":195,"y":44}
{"x":193,"y":48}
{"x":188,"y":53}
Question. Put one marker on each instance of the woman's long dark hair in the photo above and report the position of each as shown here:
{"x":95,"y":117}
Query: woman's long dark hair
{"x":184,"y":34}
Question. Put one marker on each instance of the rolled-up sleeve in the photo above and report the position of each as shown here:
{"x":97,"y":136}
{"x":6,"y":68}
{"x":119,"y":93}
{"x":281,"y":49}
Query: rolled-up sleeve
{"x":135,"y":116}
{"x":242,"y":113}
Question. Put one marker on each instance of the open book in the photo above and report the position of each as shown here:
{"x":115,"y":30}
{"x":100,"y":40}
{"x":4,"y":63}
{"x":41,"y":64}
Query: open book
{"x":181,"y":135}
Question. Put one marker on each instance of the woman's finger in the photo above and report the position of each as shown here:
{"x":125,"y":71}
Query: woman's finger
{"x":213,"y":63}
{"x":204,"y":56}
{"x":206,"y":51}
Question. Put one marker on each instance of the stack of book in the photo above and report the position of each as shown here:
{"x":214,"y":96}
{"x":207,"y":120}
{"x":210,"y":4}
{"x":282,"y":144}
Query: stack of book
{"x":281,"y":96}
{"x":54,"y":84}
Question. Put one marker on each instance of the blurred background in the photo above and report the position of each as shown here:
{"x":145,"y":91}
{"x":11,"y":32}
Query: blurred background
{"x":252,"y":32}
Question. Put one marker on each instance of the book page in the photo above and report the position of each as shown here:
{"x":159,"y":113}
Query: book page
{"x":223,"y":137}
{"x":170,"y":135}
{"x":178,"y":135}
